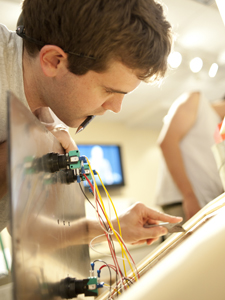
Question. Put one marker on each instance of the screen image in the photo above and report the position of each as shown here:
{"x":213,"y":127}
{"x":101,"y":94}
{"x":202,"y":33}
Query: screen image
{"x":106,"y":160}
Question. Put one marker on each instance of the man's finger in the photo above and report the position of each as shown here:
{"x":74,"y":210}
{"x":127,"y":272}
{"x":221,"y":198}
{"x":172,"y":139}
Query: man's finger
{"x":159,"y":216}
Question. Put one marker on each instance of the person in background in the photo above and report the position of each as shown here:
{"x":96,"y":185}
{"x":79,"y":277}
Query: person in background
{"x":188,"y":175}
{"x":72,"y":59}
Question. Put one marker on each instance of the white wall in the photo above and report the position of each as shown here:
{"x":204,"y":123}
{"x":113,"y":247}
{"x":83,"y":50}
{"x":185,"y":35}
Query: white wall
{"x":140,"y":156}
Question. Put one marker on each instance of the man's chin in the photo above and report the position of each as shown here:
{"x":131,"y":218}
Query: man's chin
{"x":79,"y":122}
{"x":75,"y":124}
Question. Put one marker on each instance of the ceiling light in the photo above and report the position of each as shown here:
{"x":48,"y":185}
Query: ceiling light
{"x":196,"y":64}
{"x":221,"y":7}
{"x":174,"y":59}
{"x":213,"y":70}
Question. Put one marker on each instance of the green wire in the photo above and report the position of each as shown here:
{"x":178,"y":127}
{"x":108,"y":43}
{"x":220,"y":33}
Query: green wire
{"x":3,"y":251}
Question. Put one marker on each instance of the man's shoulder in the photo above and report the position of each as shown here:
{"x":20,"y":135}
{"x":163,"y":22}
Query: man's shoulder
{"x":5,"y":34}
{"x":9,"y":40}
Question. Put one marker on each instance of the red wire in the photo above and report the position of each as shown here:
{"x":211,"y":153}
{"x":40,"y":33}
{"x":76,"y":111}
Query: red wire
{"x":129,"y":254}
{"x":117,"y":266}
{"x":111,"y":266}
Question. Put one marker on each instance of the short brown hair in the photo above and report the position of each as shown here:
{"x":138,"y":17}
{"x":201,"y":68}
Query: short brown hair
{"x":134,"y":32}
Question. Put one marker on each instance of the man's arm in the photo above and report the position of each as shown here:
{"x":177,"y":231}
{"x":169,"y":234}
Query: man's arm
{"x":3,"y":169}
{"x":132,"y":223}
{"x":83,"y":231}
{"x":182,"y":121}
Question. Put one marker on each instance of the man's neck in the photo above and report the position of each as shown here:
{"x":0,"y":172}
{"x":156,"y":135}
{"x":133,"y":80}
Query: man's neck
{"x":32,"y":81}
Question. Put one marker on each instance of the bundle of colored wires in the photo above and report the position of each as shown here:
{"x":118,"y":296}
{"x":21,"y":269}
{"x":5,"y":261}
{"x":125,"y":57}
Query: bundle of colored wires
{"x":109,"y":231}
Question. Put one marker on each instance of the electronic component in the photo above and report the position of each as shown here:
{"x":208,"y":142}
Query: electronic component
{"x":53,"y":162}
{"x":72,"y":164}
{"x":70,"y":288}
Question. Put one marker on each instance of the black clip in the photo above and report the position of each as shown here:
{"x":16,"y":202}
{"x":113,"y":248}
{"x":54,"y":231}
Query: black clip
{"x":20,"y":31}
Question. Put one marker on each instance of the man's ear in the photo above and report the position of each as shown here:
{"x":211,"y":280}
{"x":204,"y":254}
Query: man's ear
{"x":52,"y":59}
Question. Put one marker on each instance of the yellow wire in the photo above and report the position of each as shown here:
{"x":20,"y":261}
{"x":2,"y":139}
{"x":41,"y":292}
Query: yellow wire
{"x":121,"y":245}
{"x":103,"y":206}
{"x":122,"y":248}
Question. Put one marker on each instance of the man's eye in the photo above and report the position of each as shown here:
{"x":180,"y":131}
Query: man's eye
{"x":109,"y":92}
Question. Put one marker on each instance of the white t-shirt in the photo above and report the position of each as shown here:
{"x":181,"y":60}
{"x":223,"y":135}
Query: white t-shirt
{"x":11,"y":79}
{"x":11,"y":76}
{"x":198,"y":160}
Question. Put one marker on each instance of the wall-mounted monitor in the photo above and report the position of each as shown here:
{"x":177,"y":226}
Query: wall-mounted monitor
{"x":107,"y":161}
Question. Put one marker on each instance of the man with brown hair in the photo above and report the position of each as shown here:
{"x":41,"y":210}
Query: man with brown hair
{"x":79,"y":59}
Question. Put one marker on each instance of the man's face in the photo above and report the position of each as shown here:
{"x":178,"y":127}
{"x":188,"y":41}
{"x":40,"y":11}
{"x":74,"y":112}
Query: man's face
{"x":77,"y":97}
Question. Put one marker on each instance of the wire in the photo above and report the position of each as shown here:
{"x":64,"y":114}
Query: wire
{"x":107,"y":233}
{"x":91,"y":204}
{"x":128,"y":279}
{"x":110,"y":224}
{"x":110,"y":274}
{"x":108,"y":286}
{"x":115,"y":233}
{"x":111,"y":266}
{"x":109,"y":238}
{"x":85,"y":195}
{"x":123,"y":282}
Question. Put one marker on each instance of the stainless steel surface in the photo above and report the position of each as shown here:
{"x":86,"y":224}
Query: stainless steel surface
{"x":46,"y":213}
{"x":171,"y":227}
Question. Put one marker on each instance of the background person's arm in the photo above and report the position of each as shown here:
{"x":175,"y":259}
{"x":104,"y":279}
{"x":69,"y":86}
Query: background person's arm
{"x":219,"y":107}
{"x":182,"y":121}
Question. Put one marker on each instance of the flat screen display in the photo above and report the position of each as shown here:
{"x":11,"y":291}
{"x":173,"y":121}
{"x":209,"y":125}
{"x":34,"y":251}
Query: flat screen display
{"x":106,"y":160}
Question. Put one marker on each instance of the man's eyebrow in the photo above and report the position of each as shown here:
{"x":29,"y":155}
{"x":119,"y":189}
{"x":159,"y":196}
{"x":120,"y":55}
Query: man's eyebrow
{"x":111,"y":90}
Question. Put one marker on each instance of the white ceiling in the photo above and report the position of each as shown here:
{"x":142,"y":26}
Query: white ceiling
{"x":200,"y":32}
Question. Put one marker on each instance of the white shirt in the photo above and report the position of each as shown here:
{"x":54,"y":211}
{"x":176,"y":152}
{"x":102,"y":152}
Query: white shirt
{"x":198,"y":160}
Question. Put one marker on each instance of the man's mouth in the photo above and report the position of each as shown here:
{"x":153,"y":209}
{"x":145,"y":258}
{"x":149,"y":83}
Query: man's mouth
{"x":101,"y":113}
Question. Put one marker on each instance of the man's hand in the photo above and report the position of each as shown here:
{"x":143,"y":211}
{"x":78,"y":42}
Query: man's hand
{"x":133,"y":220}
{"x":65,"y":139}
{"x":46,"y":116}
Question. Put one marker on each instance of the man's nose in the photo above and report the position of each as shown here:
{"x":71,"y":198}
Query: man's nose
{"x":114,"y":103}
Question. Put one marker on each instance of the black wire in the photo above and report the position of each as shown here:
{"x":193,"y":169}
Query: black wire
{"x":95,"y":209}
{"x":128,"y":279}
{"x":86,"y":195}
{"x":92,"y":206}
